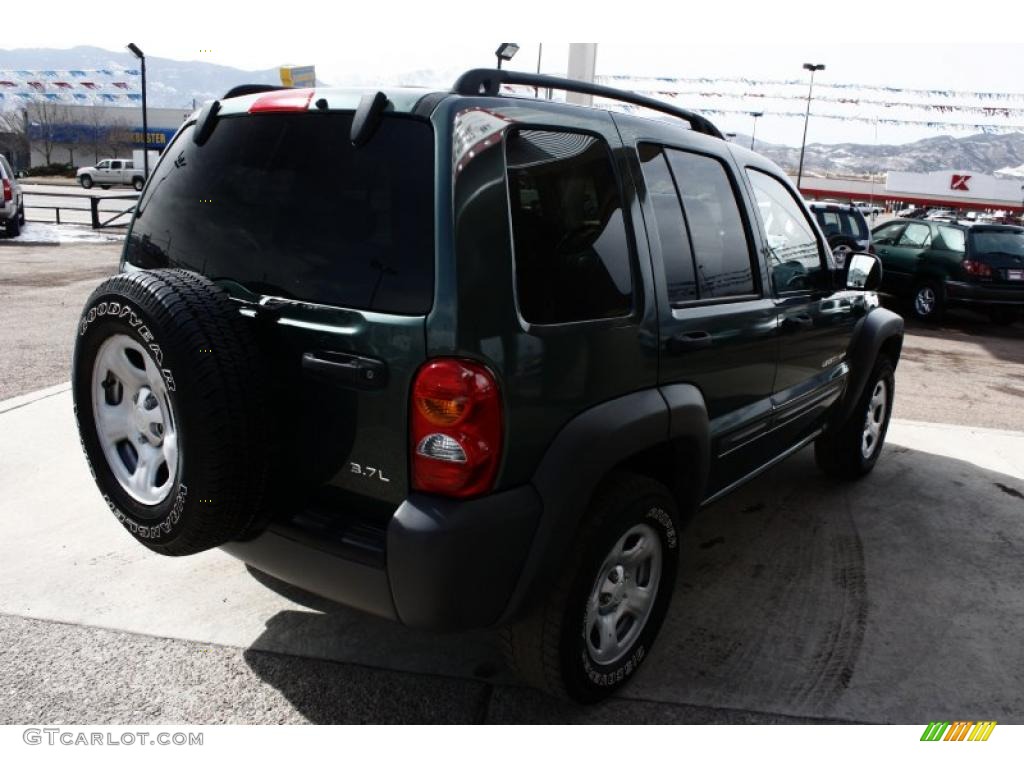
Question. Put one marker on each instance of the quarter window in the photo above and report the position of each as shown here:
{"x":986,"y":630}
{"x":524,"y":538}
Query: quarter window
{"x":572,"y":249}
{"x":794,"y":255}
{"x":953,"y":239}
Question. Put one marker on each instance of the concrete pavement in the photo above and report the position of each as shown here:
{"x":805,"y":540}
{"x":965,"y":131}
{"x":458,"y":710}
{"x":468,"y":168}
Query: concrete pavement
{"x":895,"y":599}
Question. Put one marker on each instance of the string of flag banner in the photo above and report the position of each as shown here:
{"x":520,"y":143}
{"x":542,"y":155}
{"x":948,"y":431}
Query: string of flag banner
{"x":70,"y":85}
{"x":940,"y":124}
{"x":752,"y":82}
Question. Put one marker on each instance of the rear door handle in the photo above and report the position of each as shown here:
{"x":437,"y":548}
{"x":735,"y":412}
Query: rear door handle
{"x":348,"y":369}
{"x":685,"y":342}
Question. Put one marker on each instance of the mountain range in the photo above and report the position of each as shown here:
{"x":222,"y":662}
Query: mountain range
{"x":179,"y":84}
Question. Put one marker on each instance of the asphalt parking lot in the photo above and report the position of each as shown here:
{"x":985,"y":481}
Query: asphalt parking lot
{"x":892,"y":600}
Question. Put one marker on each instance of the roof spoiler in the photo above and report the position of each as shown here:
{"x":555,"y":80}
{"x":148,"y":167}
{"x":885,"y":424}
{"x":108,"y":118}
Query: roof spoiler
{"x":487,"y":82}
{"x":249,"y":88}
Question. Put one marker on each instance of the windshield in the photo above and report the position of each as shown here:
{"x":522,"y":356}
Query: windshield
{"x":998,"y":241}
{"x":284,"y":205}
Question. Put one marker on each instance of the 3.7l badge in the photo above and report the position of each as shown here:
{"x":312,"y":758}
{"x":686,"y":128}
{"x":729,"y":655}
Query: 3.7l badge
{"x":371,"y":473}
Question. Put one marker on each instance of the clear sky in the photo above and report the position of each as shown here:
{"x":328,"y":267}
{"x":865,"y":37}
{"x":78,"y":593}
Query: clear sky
{"x":966,"y":50}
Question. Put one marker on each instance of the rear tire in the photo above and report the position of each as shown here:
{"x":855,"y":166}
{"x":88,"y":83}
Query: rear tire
{"x":619,"y":579}
{"x":850,"y":451}
{"x":928,"y":301}
{"x":14,"y":226}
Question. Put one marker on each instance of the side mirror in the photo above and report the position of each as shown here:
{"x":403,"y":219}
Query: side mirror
{"x":863,"y":272}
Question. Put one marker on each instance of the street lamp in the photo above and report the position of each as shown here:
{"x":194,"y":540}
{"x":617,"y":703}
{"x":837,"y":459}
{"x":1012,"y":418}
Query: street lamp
{"x":145,"y":124}
{"x":812,"y":68}
{"x":506,"y":51}
{"x":753,"y":133}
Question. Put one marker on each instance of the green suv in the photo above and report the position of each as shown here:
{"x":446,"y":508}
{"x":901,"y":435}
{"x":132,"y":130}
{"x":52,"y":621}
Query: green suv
{"x":938,"y":264}
{"x":464,"y":360}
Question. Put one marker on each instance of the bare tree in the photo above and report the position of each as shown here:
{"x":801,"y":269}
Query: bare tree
{"x":13,"y":135}
{"x":118,"y":137}
{"x":97,"y":132}
{"x":46,"y":119}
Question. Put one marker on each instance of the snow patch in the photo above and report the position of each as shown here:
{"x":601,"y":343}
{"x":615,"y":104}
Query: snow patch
{"x":42,"y":232}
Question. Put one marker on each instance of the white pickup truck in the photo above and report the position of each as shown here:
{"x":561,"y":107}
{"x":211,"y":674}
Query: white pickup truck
{"x":107,"y":173}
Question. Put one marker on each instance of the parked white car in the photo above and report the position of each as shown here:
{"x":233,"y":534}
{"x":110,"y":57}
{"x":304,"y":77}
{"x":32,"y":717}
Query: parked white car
{"x":107,"y":173}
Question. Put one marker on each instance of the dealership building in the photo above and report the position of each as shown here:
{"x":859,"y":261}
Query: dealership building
{"x":957,"y":189}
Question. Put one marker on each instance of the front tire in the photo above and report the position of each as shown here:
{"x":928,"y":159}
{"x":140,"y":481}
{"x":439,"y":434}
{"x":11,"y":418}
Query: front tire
{"x":851,"y":450}
{"x":597,"y":624}
{"x":85,"y":181}
{"x":138,"y":183}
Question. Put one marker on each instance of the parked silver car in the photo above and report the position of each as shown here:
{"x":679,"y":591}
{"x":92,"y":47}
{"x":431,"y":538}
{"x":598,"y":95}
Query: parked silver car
{"x":107,"y":173}
{"x":12,"y":201}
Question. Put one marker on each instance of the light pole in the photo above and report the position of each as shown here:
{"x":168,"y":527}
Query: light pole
{"x":753,"y":132}
{"x":145,"y":123}
{"x":506,"y":51}
{"x":812,"y":68}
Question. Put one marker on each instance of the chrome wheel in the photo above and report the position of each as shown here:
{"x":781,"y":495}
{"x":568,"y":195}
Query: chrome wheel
{"x":874,"y":420}
{"x":925,"y":300}
{"x":134,"y":420}
{"x":623,"y":595}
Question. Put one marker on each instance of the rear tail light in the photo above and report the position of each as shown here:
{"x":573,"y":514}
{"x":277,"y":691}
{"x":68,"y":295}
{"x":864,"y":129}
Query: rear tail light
{"x":456,"y":428}
{"x":8,"y":191}
{"x":290,"y":100}
{"x":977,"y":268}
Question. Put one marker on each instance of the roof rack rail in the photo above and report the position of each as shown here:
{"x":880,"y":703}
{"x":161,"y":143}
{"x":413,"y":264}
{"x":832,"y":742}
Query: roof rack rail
{"x":486,"y":82}
{"x":246,"y":89}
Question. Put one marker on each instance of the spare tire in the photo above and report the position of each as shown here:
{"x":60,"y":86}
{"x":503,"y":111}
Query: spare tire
{"x":170,"y":399}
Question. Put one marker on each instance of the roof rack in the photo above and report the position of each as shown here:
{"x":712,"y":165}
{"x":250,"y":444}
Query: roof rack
{"x":245,"y":90}
{"x":486,"y":82}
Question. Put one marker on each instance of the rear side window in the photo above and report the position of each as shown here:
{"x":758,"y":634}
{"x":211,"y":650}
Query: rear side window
{"x":952,"y":239}
{"x":572,"y":252}
{"x":284,"y":205}
{"x":676,"y":253}
{"x":717,"y":231}
{"x":845,"y":223}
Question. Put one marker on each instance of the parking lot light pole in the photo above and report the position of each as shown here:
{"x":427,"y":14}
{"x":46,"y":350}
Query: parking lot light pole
{"x":505,"y":52}
{"x":753,"y":132}
{"x":145,"y":124}
{"x":812,"y":68}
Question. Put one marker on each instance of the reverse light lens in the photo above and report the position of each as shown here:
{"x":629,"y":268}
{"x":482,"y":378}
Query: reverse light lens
{"x":442,"y":448}
{"x":455,"y":429}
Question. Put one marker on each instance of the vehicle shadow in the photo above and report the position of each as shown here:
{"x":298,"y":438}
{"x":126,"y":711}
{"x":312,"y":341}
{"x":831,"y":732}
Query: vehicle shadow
{"x":798,"y":600}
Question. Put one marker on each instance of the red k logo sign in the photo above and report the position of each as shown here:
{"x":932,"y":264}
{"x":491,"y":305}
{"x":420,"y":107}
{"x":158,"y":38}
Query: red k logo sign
{"x":959,"y":183}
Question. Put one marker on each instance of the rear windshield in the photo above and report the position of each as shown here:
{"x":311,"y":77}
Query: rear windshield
{"x":1007,"y":242}
{"x":284,"y":205}
{"x":842,"y":223}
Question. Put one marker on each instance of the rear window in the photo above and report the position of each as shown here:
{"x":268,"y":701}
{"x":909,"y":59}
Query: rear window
{"x":1005,"y":242}
{"x":842,"y":222}
{"x":284,"y":205}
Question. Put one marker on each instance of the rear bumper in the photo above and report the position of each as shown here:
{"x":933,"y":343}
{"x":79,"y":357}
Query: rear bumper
{"x":980,"y":293}
{"x":447,"y":564}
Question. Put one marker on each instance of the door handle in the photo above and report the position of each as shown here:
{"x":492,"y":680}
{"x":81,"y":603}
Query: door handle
{"x":342,"y":368}
{"x":691,"y":340}
{"x":797,"y":322}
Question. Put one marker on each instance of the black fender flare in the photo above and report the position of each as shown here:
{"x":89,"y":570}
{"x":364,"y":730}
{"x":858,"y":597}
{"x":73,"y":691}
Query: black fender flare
{"x":582,"y":454}
{"x":876,"y":329}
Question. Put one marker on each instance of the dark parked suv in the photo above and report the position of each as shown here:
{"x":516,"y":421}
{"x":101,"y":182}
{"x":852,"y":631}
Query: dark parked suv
{"x":467,"y":360}
{"x":845,"y":228}
{"x":938,"y":264}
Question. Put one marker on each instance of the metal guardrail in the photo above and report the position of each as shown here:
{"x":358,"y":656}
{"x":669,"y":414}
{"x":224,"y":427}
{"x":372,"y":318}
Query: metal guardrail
{"x":93,"y":208}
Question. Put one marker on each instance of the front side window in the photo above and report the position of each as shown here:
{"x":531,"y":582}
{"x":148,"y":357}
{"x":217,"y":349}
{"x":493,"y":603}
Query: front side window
{"x":104,"y":164}
{"x":794,"y":255}
{"x":717,"y":231}
{"x":889,"y":234}
{"x":572,"y":253}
